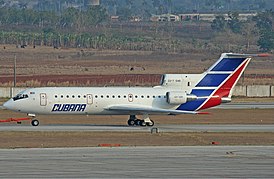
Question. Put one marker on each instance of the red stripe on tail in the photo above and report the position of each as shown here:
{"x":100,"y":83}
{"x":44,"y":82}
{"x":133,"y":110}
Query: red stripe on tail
{"x":224,"y":90}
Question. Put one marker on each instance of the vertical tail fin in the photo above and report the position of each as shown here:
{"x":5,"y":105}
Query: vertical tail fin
{"x":218,"y":82}
{"x":224,"y":75}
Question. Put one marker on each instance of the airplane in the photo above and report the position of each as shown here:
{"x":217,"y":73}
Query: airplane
{"x":176,"y":94}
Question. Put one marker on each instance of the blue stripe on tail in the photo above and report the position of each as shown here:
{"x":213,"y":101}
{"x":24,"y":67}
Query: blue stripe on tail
{"x":193,"y":105}
{"x":212,"y":80}
{"x":228,"y":64}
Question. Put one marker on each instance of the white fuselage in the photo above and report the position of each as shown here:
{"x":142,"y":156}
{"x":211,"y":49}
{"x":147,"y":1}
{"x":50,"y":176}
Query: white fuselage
{"x":89,"y":100}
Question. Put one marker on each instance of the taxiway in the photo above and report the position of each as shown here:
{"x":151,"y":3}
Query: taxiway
{"x":161,"y":128}
{"x":246,"y":106}
{"x":139,"y":162}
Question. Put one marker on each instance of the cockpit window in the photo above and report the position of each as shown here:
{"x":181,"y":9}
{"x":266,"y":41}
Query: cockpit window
{"x":20,"y":96}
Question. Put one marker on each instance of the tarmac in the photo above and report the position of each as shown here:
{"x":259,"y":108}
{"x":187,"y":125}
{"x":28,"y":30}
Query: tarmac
{"x":246,"y":106}
{"x":160,"y":128}
{"x":139,"y":162}
{"x":142,"y":162}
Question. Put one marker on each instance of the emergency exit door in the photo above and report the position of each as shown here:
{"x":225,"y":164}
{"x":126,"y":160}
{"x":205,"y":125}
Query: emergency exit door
{"x":43,"y":99}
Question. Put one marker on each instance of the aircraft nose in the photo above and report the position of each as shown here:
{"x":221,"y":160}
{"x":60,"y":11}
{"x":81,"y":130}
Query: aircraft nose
{"x":8,"y":104}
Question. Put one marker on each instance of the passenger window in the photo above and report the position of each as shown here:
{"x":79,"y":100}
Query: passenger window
{"x":79,"y":96}
{"x":67,"y":96}
{"x":136,"y":96}
{"x":102,"y":96}
{"x":113,"y":96}
{"x":147,"y":96}
{"x":73,"y":96}
{"x":119,"y":96}
{"x":62,"y":96}
{"x":56,"y":96}
{"x":96,"y":96}
{"x":107,"y":96}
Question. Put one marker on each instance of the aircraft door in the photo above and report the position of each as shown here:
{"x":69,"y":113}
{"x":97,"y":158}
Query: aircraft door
{"x":89,"y":99}
{"x":43,"y":99}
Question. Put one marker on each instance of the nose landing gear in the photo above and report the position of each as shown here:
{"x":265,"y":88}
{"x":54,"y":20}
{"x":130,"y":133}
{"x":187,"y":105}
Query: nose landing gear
{"x":34,"y":122}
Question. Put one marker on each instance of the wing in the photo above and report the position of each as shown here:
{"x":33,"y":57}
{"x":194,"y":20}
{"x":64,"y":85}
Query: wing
{"x":141,"y":109}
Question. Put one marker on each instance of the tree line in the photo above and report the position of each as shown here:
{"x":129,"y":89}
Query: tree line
{"x":78,"y":28}
{"x":263,"y":26}
{"x":86,"y":40}
{"x":75,"y":28}
{"x":70,"y":18}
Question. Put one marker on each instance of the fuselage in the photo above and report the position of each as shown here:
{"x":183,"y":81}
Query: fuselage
{"x":87,"y":100}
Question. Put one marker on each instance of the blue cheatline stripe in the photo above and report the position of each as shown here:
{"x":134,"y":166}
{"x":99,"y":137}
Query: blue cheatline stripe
{"x":212,"y":80}
{"x":228,"y":64}
{"x":193,"y":105}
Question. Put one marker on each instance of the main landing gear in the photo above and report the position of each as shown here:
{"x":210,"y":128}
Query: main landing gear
{"x":145,"y":121}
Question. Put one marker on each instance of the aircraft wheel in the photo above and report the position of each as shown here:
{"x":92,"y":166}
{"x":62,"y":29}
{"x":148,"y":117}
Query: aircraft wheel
{"x":131,"y":122}
{"x":143,"y":123}
{"x":151,"y":123}
{"x":35,"y":122}
{"x":137,"y":122}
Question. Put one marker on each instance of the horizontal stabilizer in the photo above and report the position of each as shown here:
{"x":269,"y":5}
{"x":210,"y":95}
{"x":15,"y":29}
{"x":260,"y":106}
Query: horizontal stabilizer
{"x":248,"y":55}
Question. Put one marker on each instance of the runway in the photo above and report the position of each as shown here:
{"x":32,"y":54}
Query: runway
{"x":139,"y":162}
{"x":161,"y":128}
{"x":246,"y":106}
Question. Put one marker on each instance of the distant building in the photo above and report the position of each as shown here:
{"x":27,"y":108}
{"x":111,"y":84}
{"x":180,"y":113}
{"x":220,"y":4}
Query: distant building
{"x":210,"y":17}
{"x":94,"y":2}
{"x":135,"y":19}
{"x":83,"y":5}
{"x":165,"y":18}
{"x":197,"y":17}
{"x":114,"y":18}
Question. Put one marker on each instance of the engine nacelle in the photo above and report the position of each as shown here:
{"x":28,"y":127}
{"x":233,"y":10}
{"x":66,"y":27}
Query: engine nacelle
{"x":179,"y":97}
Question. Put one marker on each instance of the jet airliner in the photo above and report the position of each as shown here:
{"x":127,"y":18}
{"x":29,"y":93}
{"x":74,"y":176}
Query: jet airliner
{"x":176,"y":94}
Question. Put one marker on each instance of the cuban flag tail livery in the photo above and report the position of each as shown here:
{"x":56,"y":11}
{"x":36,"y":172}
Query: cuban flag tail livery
{"x":217,"y":83}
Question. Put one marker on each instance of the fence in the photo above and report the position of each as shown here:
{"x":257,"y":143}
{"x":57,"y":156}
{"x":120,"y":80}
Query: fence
{"x":245,"y":91}
{"x":254,"y":91}
{"x":8,"y":92}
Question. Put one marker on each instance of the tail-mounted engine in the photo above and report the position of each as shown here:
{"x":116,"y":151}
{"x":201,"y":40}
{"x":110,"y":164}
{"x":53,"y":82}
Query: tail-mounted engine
{"x":178,"y":97}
